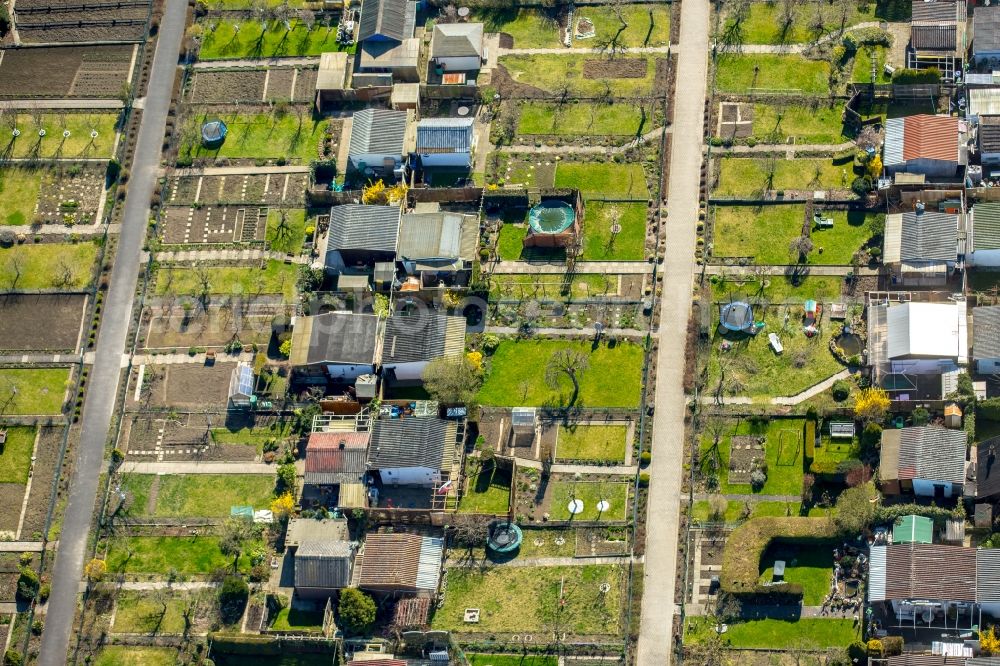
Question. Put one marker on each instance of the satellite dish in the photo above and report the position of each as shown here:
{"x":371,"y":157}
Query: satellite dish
{"x":575,"y":506}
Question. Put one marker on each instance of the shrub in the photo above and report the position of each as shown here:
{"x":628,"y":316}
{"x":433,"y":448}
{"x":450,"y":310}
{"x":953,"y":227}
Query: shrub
{"x":989,"y":409}
{"x":27,"y":584}
{"x":857,"y":651}
{"x":875,"y":648}
{"x":810,"y":439}
{"x":872,"y":36}
{"x":892,"y":645}
{"x":841,"y":390}
{"x":645,"y":458}
{"x":916,"y":76}
{"x":490,"y":342}
{"x":356,"y":611}
{"x":233,"y":595}
{"x":758,"y":478}
{"x":12,"y":658}
{"x":7,"y":238}
{"x":644,"y":480}
{"x":286,"y":479}
{"x":921,"y":416}
{"x":861,"y":186}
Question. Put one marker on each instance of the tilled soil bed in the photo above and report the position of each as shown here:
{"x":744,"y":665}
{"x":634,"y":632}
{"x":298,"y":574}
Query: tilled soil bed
{"x":623,"y":68}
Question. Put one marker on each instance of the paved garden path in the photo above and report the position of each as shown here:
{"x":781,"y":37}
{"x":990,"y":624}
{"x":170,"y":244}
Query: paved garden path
{"x":717,"y":269}
{"x":242,"y":170}
{"x":225,"y":255}
{"x":655,"y":645}
{"x":582,"y":267}
{"x":810,"y":392}
{"x":562,"y":50}
{"x":41,"y":358}
{"x":101,"y":398}
{"x":624,"y":470}
{"x":197,"y":468}
{"x":113,"y":104}
{"x":21,"y":546}
{"x":164,"y":585}
{"x":257,"y":62}
{"x":83,"y":230}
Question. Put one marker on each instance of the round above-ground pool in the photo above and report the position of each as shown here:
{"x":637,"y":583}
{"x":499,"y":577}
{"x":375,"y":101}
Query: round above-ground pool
{"x":551,"y":217}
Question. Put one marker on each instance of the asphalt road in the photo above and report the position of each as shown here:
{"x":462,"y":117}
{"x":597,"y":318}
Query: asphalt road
{"x":108,"y":362}
{"x":662,"y":514}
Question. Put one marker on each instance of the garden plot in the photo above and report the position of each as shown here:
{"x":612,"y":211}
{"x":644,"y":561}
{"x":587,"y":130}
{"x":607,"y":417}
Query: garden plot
{"x":752,"y":177}
{"x":189,"y":385}
{"x":581,"y":119}
{"x":227,"y":86}
{"x":584,"y":600}
{"x":614,"y":231}
{"x":251,"y":39}
{"x":746,"y":452}
{"x":67,"y":71}
{"x":120,"y":655}
{"x":249,"y":188}
{"x":293,"y":135}
{"x":196,"y":495}
{"x":188,"y":555}
{"x":174,"y":327}
{"x":576,"y":287}
{"x":41,"y":322}
{"x":70,"y":195}
{"x":647,"y":25}
{"x":63,"y":266}
{"x":214,"y":225}
{"x":186,"y":437}
{"x":592,"y":441}
{"x":788,"y":289}
{"x":50,"y":440}
{"x":776,"y":442}
{"x":817,"y":122}
{"x":581,"y":77}
{"x":150,"y":613}
{"x":735,"y":120}
{"x":15,"y":465}
{"x":265,"y":277}
{"x":43,"y":22}
{"x":763,"y":72}
{"x":33,"y":391}
{"x":60,"y":135}
{"x":764,"y":22}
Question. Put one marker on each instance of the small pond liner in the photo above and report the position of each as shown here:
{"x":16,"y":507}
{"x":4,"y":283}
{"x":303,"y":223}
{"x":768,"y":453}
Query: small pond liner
{"x":504,"y":537}
{"x":551,"y":217}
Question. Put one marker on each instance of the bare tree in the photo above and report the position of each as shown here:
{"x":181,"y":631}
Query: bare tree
{"x":566,"y":362}
{"x":801,"y":247}
{"x":63,"y":275}
{"x":614,"y":44}
{"x":15,"y":266}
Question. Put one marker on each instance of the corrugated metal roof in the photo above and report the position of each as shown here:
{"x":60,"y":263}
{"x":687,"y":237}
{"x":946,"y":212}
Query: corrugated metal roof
{"x":332,"y":74}
{"x":422,"y":337}
{"x":892,"y":238}
{"x":876,"y":573}
{"x":360,"y":227}
{"x":390,"y":55}
{"x":927,"y":330}
{"x":984,"y":102}
{"x":913,"y":529}
{"x":988,"y":134}
{"x":935,"y":11}
{"x":988,"y":575}
{"x":333,"y":466}
{"x":986,"y":332}
{"x":378,"y":131}
{"x":390,"y":561}
{"x":927,"y":571}
{"x":444,"y":135}
{"x":393,"y":19}
{"x":892,"y":152}
{"x":986,"y":23}
{"x":323,"y":564}
{"x":457,"y":40}
{"x":445,"y":235}
{"x":933,"y":37}
{"x":338,"y":440}
{"x":429,"y":567}
{"x":412,"y":442}
{"x":932,"y":453}
{"x":929,"y":236}
{"x":986,"y":226}
{"x":930,"y":137}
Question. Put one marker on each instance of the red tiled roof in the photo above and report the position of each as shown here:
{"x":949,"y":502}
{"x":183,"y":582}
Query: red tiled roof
{"x":334,"y":461}
{"x":337,"y":440}
{"x":930,"y":137}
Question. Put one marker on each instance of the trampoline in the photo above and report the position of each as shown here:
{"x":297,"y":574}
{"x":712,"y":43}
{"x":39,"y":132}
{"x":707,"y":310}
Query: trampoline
{"x":551,"y":217}
{"x":737,"y":316}
{"x":213,"y":133}
{"x":505,"y":537}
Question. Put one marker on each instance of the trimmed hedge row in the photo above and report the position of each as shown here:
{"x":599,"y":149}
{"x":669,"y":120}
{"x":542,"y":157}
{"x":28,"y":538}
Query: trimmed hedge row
{"x":258,"y":645}
{"x":746,"y":545}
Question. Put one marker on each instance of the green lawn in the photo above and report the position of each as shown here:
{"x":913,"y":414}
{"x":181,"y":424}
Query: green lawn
{"x":188,"y":555}
{"x":528,"y":599}
{"x":212,"y":495}
{"x":256,"y":437}
{"x":511,"y":241}
{"x":754,"y":370}
{"x":748,"y":176}
{"x":131,"y":655}
{"x":592,"y":442}
{"x":251,"y":39}
{"x":551,"y":72}
{"x":778,"y":289}
{"x":293,"y":619}
{"x":789,"y":72}
{"x":487,"y":489}
{"x":862,"y":71}
{"x":259,"y":136}
{"x":783,"y":451}
{"x":553,"y":287}
{"x":511,"y":660}
{"x":79,"y":143}
{"x":810,"y":566}
{"x":629,"y":244}
{"x":816,"y":123}
{"x":605,"y":179}
{"x":582,"y":119}
{"x":648,"y":25}
{"x":47,"y":266}
{"x":762,"y":233}
{"x":287,"y":236}
{"x":702,"y":510}
{"x":809,"y":633}
{"x":137,"y":486}
{"x":15,"y":458}
{"x":276,"y":278}
{"x":590,"y":493}
{"x":32,"y":391}
{"x":764,"y":25}
{"x":766,"y":233}
{"x":19,"y":189}
{"x":142,"y":613}
{"x":516,"y":375}
{"x":850,"y":232}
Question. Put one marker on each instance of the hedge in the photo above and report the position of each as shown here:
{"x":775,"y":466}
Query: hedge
{"x":989,"y":409}
{"x":892,"y":513}
{"x":746,"y":545}
{"x":810,"y":437}
{"x":916,"y":76}
{"x":259,"y":645}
